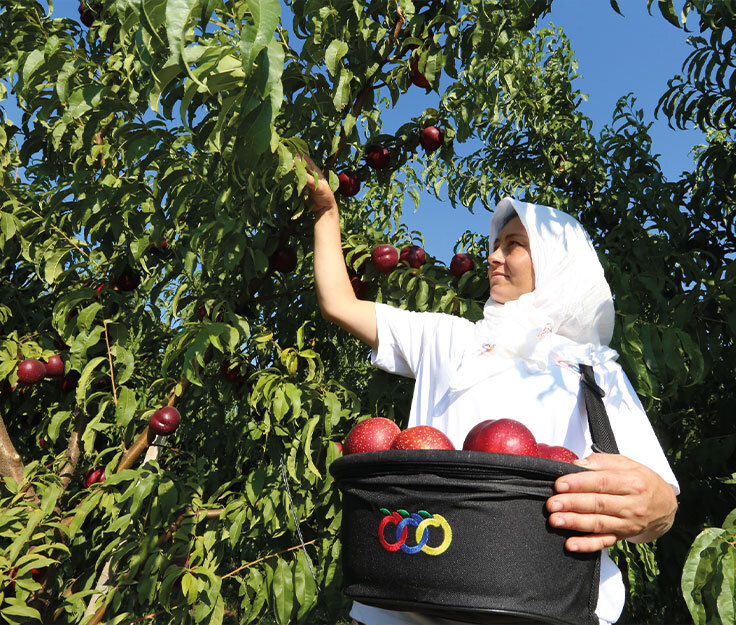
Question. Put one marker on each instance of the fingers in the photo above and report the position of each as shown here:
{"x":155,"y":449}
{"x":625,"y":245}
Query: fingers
{"x":589,"y":544}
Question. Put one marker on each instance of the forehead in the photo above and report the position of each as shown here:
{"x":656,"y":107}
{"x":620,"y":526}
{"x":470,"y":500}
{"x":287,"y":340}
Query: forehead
{"x":512,"y":228}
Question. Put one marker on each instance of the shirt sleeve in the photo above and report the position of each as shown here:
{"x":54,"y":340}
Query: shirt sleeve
{"x":634,"y":434}
{"x":405,"y":336}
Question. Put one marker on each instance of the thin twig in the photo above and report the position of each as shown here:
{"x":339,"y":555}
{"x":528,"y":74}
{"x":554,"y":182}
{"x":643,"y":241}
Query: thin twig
{"x":109,"y":358}
{"x":273,"y":555}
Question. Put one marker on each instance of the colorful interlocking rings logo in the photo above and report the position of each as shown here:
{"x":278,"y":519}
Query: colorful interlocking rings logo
{"x":422,"y":521}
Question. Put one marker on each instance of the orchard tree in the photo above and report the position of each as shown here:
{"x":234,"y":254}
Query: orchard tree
{"x":155,"y":239}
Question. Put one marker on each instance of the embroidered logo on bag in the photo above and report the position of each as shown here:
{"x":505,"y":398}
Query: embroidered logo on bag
{"x":422,"y":521}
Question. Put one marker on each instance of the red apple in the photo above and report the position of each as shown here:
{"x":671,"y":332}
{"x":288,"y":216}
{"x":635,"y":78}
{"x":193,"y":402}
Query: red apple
{"x":556,"y":452}
{"x":431,"y":138}
{"x":385,"y":257}
{"x":413,"y":255}
{"x":506,"y":436}
{"x":459,"y":264}
{"x":377,"y":156}
{"x":422,"y":437}
{"x":55,"y":367}
{"x":470,"y":438}
{"x":416,"y":77}
{"x":349,"y":183}
{"x":95,"y":475}
{"x":39,"y":574}
{"x":284,"y":259}
{"x":164,"y":421}
{"x":375,"y":434}
{"x":31,"y":371}
{"x":360,"y":288}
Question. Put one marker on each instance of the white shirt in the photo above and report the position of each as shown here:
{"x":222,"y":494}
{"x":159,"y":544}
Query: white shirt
{"x":428,"y":348}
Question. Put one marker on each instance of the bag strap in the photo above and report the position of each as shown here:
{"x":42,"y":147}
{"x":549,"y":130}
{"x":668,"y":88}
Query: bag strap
{"x":600,"y":426}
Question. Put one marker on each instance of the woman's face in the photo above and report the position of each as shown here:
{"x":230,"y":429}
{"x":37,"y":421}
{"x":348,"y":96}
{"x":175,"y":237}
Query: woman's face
{"x":510,"y":269}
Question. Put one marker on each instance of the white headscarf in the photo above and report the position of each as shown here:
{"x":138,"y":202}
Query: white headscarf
{"x":569,"y":315}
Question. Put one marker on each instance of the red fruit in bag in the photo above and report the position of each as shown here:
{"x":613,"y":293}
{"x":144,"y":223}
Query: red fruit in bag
{"x":470,"y":438}
{"x":556,"y":452}
{"x":422,"y":437}
{"x":506,"y":436}
{"x":375,"y":434}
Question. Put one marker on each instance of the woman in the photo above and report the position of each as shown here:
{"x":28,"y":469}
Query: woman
{"x":549,"y":309}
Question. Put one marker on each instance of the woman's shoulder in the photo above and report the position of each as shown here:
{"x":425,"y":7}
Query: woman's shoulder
{"x":437,"y":319}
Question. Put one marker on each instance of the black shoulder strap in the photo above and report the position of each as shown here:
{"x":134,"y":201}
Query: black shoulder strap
{"x":600,"y":427}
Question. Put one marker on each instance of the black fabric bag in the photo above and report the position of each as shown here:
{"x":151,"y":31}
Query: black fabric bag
{"x":464,"y":534}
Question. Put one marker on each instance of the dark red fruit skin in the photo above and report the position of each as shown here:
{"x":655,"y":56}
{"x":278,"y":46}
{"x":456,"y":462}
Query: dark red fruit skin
{"x":375,"y":434}
{"x":377,"y":156}
{"x":360,"y":288}
{"x":86,"y":16}
{"x":556,"y":452}
{"x":39,"y":574}
{"x":284,"y":259}
{"x":158,"y":249}
{"x":31,"y":371}
{"x":413,"y":255}
{"x":416,"y":77}
{"x":55,"y":367}
{"x":69,"y":381}
{"x":385,"y":257}
{"x":164,"y":421}
{"x":460,"y":263}
{"x":431,"y":138}
{"x":470,"y":437}
{"x":95,"y":475}
{"x":230,"y":371}
{"x":127,"y":281}
{"x":506,"y":436}
{"x":349,"y":183}
{"x":422,"y":437}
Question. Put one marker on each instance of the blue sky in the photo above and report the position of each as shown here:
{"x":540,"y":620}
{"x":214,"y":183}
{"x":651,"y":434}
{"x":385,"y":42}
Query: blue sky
{"x":616,"y":54}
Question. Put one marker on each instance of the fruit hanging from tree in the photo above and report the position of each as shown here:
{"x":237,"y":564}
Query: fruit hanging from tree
{"x":284,"y":259}
{"x":385,"y":257}
{"x":460,"y":264}
{"x":55,"y":367}
{"x":164,"y":421}
{"x":413,"y":255}
{"x":349,"y":183}
{"x":377,"y":156}
{"x":31,"y":371}
{"x":431,"y":138}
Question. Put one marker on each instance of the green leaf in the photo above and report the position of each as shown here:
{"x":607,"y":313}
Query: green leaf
{"x":282,"y":592}
{"x":125,"y":408}
{"x":123,"y":363}
{"x":53,"y":267}
{"x":87,"y":374}
{"x":33,"y":61}
{"x":266,"y":15}
{"x":341,"y":96}
{"x":177,"y":16}
{"x":335,"y":51}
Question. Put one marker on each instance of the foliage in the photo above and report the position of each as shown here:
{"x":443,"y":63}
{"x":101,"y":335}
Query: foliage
{"x":179,"y":121}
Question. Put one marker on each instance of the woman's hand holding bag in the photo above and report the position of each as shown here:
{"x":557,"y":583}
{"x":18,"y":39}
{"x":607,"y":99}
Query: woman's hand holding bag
{"x":617,"y":499}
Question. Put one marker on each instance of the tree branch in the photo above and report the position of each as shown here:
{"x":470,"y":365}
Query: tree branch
{"x":11,"y":464}
{"x":73,"y":450}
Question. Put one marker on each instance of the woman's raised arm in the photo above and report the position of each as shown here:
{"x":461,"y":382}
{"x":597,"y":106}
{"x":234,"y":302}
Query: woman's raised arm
{"x":337,"y":301}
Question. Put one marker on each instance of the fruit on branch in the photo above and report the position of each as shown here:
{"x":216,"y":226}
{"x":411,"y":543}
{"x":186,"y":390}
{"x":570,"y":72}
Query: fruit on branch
{"x":470,"y":436}
{"x":31,"y":371}
{"x":39,"y":574}
{"x":98,"y":290}
{"x":284,"y":259}
{"x":416,"y":77}
{"x":55,"y":367}
{"x":505,"y":436}
{"x":385,"y":257}
{"x":413,"y":255}
{"x":556,"y":452}
{"x":431,"y":138}
{"x":374,"y":434}
{"x":127,"y":281}
{"x":460,"y":263}
{"x":158,"y":249}
{"x":69,"y":381}
{"x":360,"y":287}
{"x":230,"y":371}
{"x":422,"y":437}
{"x":86,"y":15}
{"x":164,"y":421}
{"x":377,"y":156}
{"x":96,"y":475}
{"x":349,"y":183}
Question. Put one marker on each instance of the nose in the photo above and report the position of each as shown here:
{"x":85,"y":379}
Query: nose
{"x":496,"y":257}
